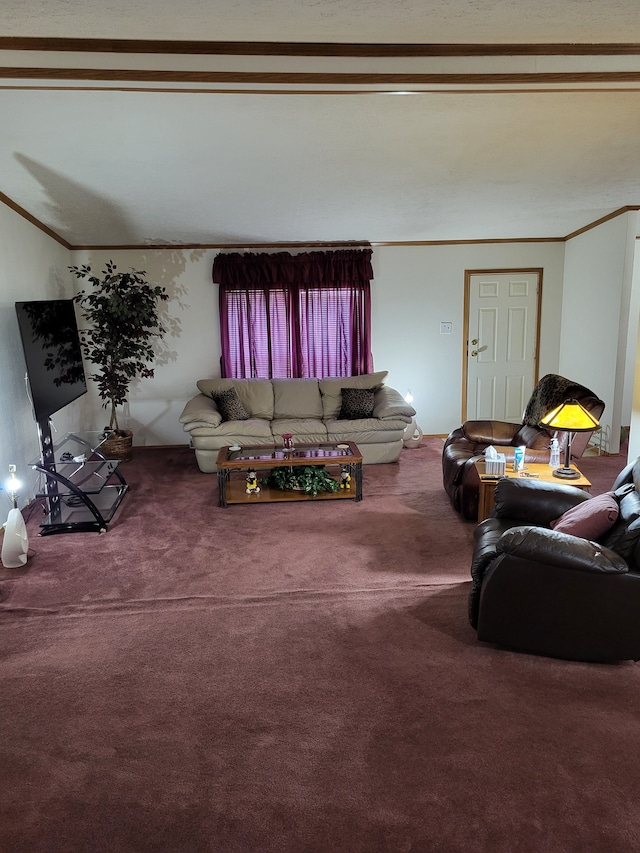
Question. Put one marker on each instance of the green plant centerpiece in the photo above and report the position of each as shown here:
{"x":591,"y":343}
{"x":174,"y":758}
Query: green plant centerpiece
{"x":311,"y":480}
{"x":121,"y":310}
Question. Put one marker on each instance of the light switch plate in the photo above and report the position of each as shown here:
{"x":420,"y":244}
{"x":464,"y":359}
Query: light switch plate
{"x":446,"y":328}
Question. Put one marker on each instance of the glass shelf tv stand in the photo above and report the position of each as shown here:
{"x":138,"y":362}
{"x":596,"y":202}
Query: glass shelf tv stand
{"x":83,"y":488}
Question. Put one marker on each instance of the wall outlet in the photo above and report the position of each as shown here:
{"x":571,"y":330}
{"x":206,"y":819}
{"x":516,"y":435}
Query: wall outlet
{"x":446,"y":328}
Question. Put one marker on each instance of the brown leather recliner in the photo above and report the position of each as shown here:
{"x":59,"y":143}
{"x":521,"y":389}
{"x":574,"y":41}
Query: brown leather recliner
{"x":465,"y":445}
{"x":537,"y":590}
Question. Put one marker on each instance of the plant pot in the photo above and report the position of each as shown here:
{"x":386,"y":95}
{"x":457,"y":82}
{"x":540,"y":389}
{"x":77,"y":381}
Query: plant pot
{"x":118,"y":446}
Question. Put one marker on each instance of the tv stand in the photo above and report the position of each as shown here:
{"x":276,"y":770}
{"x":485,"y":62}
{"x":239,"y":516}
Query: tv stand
{"x":83,"y":488}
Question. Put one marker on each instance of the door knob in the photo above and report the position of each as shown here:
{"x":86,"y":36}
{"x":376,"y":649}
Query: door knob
{"x":476,"y":351}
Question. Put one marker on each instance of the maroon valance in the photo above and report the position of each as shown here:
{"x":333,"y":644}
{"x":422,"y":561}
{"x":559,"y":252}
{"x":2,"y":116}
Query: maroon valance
{"x":343,"y":268}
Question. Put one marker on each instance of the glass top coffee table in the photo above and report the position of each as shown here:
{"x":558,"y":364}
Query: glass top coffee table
{"x":233,"y":465}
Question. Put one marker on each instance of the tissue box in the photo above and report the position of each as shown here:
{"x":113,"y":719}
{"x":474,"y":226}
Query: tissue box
{"x":496,"y":467}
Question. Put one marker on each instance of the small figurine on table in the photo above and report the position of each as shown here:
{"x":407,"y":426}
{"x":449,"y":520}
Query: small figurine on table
{"x":345,"y":479}
{"x":252,"y":482}
{"x":287,"y":441}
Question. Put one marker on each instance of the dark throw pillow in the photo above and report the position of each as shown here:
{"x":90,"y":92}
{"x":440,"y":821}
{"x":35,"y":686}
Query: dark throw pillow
{"x":356,"y":403}
{"x":589,"y":519}
{"x":230,"y":406}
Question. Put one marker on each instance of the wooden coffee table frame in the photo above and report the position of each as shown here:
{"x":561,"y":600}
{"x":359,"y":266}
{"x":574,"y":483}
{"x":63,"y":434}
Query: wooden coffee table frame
{"x":263,"y":459}
{"x":544,"y":475}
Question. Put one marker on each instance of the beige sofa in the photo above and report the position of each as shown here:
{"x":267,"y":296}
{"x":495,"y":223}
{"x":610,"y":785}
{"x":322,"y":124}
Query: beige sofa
{"x":307,"y":408}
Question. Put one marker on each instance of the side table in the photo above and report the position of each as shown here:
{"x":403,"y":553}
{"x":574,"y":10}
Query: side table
{"x":539,"y":471}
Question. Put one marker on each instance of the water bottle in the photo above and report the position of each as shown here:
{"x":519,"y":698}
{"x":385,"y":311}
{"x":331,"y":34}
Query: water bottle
{"x":518,"y":459}
{"x":554,"y":456}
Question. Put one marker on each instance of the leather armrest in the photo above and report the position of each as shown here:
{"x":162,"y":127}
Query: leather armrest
{"x":536,"y":544}
{"x":389,"y":403}
{"x":200,"y":410}
{"x":532,"y":502}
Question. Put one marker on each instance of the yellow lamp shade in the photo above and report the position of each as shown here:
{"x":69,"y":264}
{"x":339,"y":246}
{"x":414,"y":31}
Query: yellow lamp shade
{"x":571,"y":417}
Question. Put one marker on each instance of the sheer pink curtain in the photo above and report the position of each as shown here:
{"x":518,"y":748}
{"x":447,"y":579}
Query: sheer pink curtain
{"x":284,"y":315}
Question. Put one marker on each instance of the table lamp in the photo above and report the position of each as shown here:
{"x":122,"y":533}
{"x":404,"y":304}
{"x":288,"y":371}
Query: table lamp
{"x":569,"y":417}
{"x":412,"y":435}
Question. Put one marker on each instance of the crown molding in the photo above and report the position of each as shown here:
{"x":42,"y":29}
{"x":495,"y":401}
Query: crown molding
{"x":602,"y":220}
{"x":9,"y":202}
{"x":302,"y":78}
{"x":138,"y":247}
{"x":346,"y":49}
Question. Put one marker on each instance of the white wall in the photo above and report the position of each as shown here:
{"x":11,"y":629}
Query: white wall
{"x":32,"y":266}
{"x":632,"y":343}
{"x":414,"y":289}
{"x":632,"y":387}
{"x":417,"y":287}
{"x":190,"y":350}
{"x":597,"y":300}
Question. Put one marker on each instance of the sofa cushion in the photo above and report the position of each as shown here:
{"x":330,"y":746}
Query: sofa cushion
{"x":230,"y":406}
{"x":256,"y":395}
{"x":356,"y":403}
{"x":331,"y":389}
{"x":365,"y":431}
{"x":590,"y":519}
{"x":255,"y":431}
{"x":296,"y":398}
{"x":303,"y":430}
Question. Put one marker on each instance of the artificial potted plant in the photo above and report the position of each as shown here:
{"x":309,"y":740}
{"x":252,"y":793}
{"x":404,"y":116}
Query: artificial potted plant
{"x":121,"y":311}
{"x":311,"y":479}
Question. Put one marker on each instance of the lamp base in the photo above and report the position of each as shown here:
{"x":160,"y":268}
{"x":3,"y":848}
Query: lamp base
{"x":15,"y":542}
{"x":566,"y":474}
{"x":412,"y":435}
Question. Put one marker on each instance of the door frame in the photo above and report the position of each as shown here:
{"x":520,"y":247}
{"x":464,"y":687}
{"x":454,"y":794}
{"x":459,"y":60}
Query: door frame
{"x":465,"y":330}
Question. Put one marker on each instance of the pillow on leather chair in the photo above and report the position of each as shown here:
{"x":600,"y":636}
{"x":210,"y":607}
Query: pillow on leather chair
{"x":589,"y":519}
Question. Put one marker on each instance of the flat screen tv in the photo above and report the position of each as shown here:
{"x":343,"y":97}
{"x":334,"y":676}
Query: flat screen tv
{"x":51,"y":345}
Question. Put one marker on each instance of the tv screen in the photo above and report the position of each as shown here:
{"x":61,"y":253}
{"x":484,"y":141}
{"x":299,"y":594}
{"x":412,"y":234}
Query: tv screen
{"x":51,"y":344}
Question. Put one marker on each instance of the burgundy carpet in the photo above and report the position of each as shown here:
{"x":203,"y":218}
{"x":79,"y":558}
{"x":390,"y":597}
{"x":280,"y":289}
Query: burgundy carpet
{"x":294,"y":677}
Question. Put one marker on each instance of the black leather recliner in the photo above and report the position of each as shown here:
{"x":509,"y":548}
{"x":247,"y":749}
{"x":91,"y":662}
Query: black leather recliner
{"x":537,"y":590}
{"x":465,"y":445}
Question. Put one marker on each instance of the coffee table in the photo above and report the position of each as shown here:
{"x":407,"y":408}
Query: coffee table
{"x":539,"y":471}
{"x":232,"y":490}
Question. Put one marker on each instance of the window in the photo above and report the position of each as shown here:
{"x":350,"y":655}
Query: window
{"x":284,"y":315}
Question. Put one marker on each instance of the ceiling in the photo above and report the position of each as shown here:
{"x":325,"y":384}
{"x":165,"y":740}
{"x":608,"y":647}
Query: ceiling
{"x":223,"y":122}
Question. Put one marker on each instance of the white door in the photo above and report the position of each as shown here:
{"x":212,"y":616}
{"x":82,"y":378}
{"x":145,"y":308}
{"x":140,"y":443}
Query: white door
{"x":502,"y":338}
